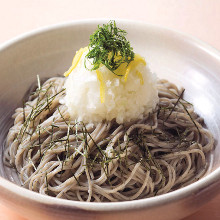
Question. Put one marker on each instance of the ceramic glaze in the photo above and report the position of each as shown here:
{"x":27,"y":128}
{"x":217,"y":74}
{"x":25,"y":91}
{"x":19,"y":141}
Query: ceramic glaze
{"x":174,"y":56}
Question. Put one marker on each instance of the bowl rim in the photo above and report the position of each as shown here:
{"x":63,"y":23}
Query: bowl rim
{"x":174,"y":196}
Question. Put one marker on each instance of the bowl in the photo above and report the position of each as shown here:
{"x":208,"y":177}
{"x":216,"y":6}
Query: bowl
{"x":181,"y":59}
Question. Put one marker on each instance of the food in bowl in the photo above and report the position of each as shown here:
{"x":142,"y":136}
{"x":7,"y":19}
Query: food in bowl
{"x":107,"y":131}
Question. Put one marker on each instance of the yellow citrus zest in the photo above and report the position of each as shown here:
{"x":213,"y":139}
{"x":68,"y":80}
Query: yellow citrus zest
{"x":102,"y":85}
{"x":140,"y":77}
{"x":137,"y":60}
{"x":123,"y":68}
{"x":75,"y":61}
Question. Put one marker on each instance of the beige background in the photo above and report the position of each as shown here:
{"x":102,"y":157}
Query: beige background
{"x":199,"y":18}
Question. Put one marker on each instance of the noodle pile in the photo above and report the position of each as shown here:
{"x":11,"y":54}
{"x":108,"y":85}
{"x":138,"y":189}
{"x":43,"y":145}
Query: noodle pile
{"x":64,"y":158}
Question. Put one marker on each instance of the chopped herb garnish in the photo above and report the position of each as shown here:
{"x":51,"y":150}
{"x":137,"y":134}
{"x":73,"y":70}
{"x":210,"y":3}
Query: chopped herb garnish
{"x":108,"y":46}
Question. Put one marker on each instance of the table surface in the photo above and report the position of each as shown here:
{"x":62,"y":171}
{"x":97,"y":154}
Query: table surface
{"x":199,"y":18}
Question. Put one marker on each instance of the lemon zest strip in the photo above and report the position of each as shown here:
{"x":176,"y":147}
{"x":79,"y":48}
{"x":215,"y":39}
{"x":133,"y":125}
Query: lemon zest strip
{"x":140,"y":77}
{"x":75,"y":61}
{"x":137,"y":60}
{"x":127,"y":71}
{"x":102,"y":85}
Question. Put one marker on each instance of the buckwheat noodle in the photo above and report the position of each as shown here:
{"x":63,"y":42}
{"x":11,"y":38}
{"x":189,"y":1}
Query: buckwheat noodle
{"x":64,"y":158}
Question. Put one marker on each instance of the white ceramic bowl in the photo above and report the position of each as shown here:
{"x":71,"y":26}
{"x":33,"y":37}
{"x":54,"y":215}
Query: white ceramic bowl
{"x":181,"y":59}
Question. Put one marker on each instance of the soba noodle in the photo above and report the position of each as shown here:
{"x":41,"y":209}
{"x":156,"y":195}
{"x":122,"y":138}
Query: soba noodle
{"x":64,"y":158}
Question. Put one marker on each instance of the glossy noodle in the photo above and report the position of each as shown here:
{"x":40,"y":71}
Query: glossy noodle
{"x":61,"y":157}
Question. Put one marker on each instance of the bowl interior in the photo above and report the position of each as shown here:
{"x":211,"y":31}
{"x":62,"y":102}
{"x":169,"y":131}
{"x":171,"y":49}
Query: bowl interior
{"x":170,"y":55}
